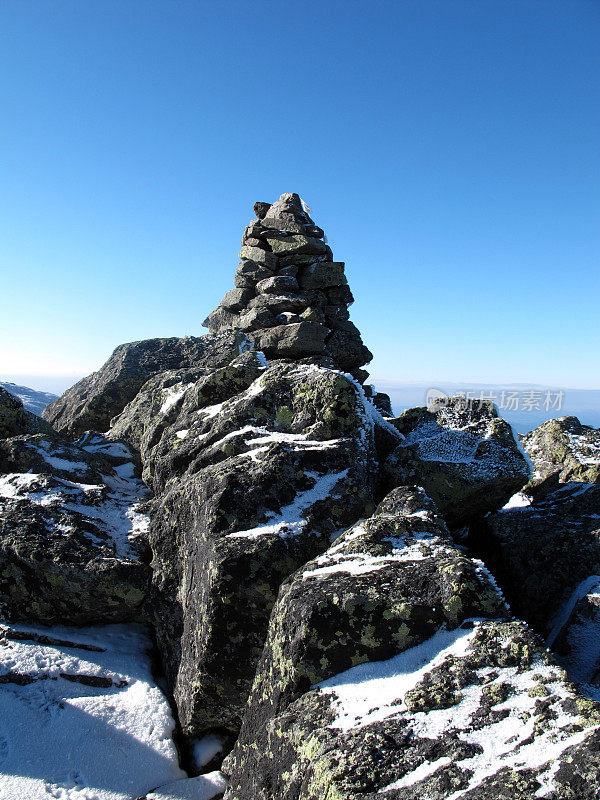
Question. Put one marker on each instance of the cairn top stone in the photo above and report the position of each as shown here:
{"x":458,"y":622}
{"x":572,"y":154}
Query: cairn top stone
{"x":291,"y":298}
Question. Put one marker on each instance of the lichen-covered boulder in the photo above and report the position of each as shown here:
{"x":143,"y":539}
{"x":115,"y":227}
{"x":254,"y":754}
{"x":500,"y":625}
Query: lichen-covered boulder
{"x":388,"y":583}
{"x":15,"y":420}
{"x":95,"y":400}
{"x":464,"y":456}
{"x":563,"y":450}
{"x":167,"y":396}
{"x":73,"y":533}
{"x":541,"y":551}
{"x":248,"y":489}
{"x":477,"y":712}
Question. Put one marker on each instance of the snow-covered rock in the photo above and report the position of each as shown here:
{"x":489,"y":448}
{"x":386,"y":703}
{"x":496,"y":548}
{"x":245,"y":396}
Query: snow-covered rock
{"x":564,"y":450}
{"x":463,"y":454}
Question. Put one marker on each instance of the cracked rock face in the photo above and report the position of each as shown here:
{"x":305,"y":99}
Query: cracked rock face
{"x":291,"y":298}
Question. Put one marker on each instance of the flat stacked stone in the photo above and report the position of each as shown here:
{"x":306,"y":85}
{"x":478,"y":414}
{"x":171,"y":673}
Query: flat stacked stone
{"x":291,"y":298}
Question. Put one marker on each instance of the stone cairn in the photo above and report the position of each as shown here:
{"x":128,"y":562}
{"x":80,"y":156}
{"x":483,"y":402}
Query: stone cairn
{"x":291,"y":298}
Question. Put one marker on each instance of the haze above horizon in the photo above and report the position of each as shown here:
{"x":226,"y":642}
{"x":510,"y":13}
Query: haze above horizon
{"x":449,"y":150}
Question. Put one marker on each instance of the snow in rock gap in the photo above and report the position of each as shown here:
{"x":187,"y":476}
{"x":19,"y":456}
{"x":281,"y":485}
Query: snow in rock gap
{"x":582,"y":633}
{"x":290,"y":520}
{"x":44,"y":449}
{"x":207,"y":748}
{"x":518,"y":500}
{"x":98,"y":444}
{"x":374,"y":691}
{"x":211,"y":411}
{"x":172,"y":394}
{"x":104,"y":732}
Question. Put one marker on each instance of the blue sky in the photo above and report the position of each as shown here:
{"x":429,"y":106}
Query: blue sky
{"x":449,"y":149}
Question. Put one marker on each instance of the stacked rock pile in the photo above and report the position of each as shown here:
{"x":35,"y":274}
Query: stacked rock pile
{"x":291,"y":298}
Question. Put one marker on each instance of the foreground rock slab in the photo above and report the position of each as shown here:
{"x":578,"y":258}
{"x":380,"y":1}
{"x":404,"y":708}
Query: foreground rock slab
{"x":389,"y":583}
{"x":248,"y":490}
{"x":475,"y":713}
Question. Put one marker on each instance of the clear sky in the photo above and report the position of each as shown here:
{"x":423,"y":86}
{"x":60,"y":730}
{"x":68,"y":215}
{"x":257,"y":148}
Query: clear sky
{"x":450,"y":149}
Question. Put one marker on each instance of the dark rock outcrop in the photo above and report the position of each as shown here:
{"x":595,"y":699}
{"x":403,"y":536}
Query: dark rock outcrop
{"x":15,"y":420}
{"x":464,"y":456}
{"x":542,"y":551}
{"x":95,"y":400}
{"x":376,"y":681}
{"x":72,"y":531}
{"x":291,"y":298}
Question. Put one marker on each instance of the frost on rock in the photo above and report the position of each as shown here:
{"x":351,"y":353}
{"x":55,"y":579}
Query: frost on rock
{"x":388,"y":583}
{"x":479,"y":711}
{"x":81,"y":715}
{"x":465,"y":457}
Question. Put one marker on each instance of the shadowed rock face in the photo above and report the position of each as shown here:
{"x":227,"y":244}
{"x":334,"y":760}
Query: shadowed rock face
{"x":291,"y":298}
{"x":95,"y":400}
{"x":542,"y":551}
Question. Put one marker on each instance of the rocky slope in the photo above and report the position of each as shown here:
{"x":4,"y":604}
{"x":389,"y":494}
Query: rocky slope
{"x":33,"y":400}
{"x":309,"y":566}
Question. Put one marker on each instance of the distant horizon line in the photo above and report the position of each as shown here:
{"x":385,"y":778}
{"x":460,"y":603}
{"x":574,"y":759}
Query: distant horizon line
{"x":388,"y":383}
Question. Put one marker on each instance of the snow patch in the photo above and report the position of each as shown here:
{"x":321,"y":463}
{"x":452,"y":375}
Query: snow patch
{"x":69,"y":738}
{"x":290,"y":521}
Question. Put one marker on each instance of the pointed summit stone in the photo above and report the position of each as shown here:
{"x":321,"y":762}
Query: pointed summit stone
{"x":291,"y":298}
